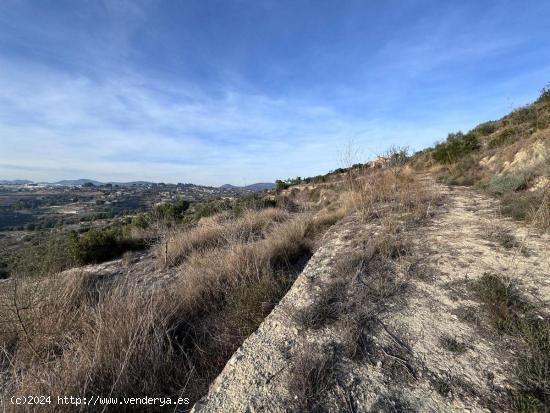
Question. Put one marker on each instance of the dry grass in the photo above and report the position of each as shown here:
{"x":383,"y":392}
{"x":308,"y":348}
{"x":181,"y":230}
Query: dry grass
{"x":381,"y":192}
{"x":314,"y":373}
{"x":82,"y":334}
{"x":540,"y":217}
{"x":217,"y":231}
{"x":363,"y":284}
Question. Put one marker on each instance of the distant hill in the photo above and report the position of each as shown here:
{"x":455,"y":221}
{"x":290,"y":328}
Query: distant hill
{"x":15,"y":182}
{"x":77,"y":182}
{"x":260,"y":186}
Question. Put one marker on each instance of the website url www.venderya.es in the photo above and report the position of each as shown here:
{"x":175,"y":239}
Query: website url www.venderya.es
{"x":99,"y":401}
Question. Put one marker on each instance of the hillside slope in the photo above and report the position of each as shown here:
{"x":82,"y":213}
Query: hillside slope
{"x":434,"y":345}
{"x":508,"y":158}
{"x":399,"y":285}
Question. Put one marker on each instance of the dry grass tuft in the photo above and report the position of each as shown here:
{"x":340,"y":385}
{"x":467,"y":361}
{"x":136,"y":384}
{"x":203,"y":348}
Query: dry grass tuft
{"x":217,"y":231}
{"x":314,"y":372}
{"x":510,"y":313}
{"x":382,"y":192}
{"x":451,"y":344}
{"x":540,"y":217}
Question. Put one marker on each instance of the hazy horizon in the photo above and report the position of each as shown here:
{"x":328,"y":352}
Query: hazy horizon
{"x":251,"y":91}
{"x":125,"y":182}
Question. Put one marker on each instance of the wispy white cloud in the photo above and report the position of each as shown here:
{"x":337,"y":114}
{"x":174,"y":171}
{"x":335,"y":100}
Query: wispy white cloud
{"x":86,"y":109}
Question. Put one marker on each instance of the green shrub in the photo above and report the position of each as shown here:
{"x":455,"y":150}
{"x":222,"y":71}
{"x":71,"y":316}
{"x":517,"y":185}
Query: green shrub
{"x":98,"y":245}
{"x":501,"y":184}
{"x":254,"y":201}
{"x":504,"y":137}
{"x":466,"y":172}
{"x":280,"y":185}
{"x":140,"y":221}
{"x":93,"y":246}
{"x":46,"y":254}
{"x":172,"y":210}
{"x":544,"y":94}
{"x":455,"y":147}
{"x":486,"y":128}
{"x":525,"y":114}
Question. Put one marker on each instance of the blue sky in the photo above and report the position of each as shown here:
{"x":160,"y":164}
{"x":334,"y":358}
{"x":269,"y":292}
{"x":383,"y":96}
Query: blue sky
{"x":242,"y":91}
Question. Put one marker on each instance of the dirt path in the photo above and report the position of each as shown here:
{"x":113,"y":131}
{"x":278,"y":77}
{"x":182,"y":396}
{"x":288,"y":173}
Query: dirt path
{"x":444,"y":322}
{"x":432,"y":350}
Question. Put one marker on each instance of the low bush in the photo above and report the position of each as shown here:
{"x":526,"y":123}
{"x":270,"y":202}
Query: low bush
{"x":280,"y":185}
{"x":544,"y":94}
{"x":171,"y":210}
{"x":520,"y":205}
{"x":486,"y":128}
{"x":455,"y":147}
{"x":504,"y":137}
{"x":46,"y":255}
{"x":502,"y":184}
{"x":98,"y":245}
{"x":465,"y":172}
{"x":525,"y":114}
{"x":235,"y":206}
{"x":512,"y":314}
{"x":141,"y":221}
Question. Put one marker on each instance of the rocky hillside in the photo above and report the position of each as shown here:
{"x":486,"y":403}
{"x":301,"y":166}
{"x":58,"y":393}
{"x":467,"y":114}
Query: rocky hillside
{"x":447,"y":311}
{"x":454,"y":317}
{"x":508,"y":158}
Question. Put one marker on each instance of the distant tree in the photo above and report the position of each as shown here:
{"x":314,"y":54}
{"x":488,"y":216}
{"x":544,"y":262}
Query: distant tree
{"x":280,"y":185}
{"x":172,"y":210}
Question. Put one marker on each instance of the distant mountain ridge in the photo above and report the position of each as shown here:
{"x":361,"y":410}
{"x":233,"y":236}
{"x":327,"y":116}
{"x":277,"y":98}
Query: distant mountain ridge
{"x":81,"y":181}
{"x":259,"y":186}
{"x":14,"y":182}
